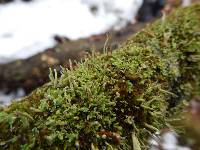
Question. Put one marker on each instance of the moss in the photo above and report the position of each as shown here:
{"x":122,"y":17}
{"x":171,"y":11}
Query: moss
{"x":112,"y":100}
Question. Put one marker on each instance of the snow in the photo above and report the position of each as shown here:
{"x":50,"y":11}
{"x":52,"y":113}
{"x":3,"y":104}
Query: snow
{"x":166,"y":141}
{"x":186,"y":3}
{"x":5,"y":99}
{"x":27,"y":28}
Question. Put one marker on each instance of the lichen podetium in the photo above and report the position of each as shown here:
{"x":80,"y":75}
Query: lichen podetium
{"x":112,"y":101}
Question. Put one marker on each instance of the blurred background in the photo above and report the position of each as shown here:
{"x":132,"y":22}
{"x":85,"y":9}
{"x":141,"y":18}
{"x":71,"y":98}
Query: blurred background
{"x":36,"y":35}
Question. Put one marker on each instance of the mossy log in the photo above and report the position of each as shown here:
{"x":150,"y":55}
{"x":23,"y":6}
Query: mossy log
{"x":115,"y":100}
{"x":32,"y":72}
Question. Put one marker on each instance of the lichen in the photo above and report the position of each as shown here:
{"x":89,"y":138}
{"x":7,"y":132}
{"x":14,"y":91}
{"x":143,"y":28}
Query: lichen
{"x":112,"y":101}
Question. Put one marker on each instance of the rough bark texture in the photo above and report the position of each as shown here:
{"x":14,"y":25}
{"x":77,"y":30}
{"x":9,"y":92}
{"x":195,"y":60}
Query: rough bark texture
{"x":115,"y":100}
{"x":33,"y":72}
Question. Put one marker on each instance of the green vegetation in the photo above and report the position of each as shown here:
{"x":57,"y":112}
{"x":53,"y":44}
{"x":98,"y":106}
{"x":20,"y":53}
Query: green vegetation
{"x":112,"y":101}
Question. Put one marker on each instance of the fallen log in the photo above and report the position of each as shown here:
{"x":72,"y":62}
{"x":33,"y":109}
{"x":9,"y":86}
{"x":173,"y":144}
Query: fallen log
{"x":114,"y":100}
{"x":32,"y":72}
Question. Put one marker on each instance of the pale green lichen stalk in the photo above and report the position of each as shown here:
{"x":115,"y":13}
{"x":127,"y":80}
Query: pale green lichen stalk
{"x":112,"y":101}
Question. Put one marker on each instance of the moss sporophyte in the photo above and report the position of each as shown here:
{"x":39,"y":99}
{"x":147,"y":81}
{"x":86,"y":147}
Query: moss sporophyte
{"x":112,"y":101}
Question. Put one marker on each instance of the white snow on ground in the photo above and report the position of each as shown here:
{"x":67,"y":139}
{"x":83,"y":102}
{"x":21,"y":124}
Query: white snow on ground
{"x":186,"y":3}
{"x":5,"y":99}
{"x":28,"y":28}
{"x":166,"y":141}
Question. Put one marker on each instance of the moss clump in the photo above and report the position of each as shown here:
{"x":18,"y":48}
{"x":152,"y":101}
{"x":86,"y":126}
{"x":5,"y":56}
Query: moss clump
{"x":112,"y":100}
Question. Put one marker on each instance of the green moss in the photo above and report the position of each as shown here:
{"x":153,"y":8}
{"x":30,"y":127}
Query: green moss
{"x":112,"y":100}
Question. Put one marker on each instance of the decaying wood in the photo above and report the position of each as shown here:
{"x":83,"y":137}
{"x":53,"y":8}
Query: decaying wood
{"x":33,"y":72}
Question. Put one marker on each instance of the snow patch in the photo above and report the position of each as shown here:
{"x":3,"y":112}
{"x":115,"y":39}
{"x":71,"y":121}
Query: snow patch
{"x":5,"y":98}
{"x":29,"y":28}
{"x":166,"y":141}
